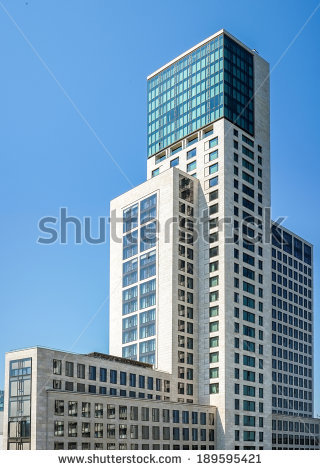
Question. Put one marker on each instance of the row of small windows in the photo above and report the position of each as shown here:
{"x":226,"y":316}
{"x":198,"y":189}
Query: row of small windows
{"x":123,"y":431}
{"x":297,"y":358}
{"x":285,"y":318}
{"x":276,"y":254}
{"x":283,"y":281}
{"x":115,"y":376}
{"x":133,"y":413}
{"x":311,"y":442}
{"x":283,"y":403}
{"x":291,"y":245}
{"x":291,"y":380}
{"x":295,"y":426}
{"x":282,"y":304}
{"x":58,"y":445}
{"x":291,"y":392}
{"x":102,"y":390}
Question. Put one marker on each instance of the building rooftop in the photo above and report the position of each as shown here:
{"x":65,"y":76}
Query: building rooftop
{"x":221,"y":31}
{"x":109,"y":357}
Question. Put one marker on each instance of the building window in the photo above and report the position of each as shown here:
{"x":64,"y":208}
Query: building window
{"x":213,"y":142}
{"x":191,"y":166}
{"x":81,"y":371}
{"x":59,"y":407}
{"x":214,"y":388}
{"x":191,"y":153}
{"x":59,"y":428}
{"x":57,"y":366}
{"x":92,"y":372}
{"x":69,"y":369}
{"x":213,"y":168}
{"x":72,"y":429}
{"x":213,"y":155}
{"x":174,"y":162}
{"x":98,"y":430}
{"x":103,"y":374}
{"x":214,"y":357}
{"x":113,"y":376}
{"x":213,"y":181}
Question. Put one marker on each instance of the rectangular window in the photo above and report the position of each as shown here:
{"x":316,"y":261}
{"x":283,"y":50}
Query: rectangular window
{"x":249,"y":166}
{"x":213,"y":155}
{"x":247,"y":177}
{"x":214,"y":311}
{"x":214,"y":266}
{"x":249,"y":346}
{"x":247,"y":141}
{"x":213,"y":168}
{"x":213,"y":181}
{"x":130,"y":244}
{"x":248,"y":302}
{"x":57,"y":366}
{"x":248,"y":331}
{"x":214,"y":342}
{"x":214,"y":357}
{"x":148,"y":209}
{"x":248,"y":390}
{"x":249,"y":436}
{"x":92,"y":372}
{"x":148,"y":236}
{"x":130,"y":218}
{"x":249,"y":375}
{"x":191,"y":153}
{"x":130,"y":272}
{"x":249,"y":405}
{"x":247,"y":152}
{"x":214,"y":326}
{"x":214,"y":388}
{"x":214,"y":373}
{"x":174,"y":162}
{"x":191,"y":166}
{"x":248,"y":204}
{"x":248,"y":259}
{"x":213,"y":142}
{"x":148,"y":265}
{"x":113,"y":376}
{"x":248,"y":316}
{"x":69,"y":369}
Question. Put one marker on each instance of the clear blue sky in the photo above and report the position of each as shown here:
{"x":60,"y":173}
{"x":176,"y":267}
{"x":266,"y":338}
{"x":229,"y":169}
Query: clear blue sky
{"x":101,"y":52}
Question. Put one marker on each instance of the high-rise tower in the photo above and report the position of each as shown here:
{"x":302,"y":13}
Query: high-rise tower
{"x":208,"y":115}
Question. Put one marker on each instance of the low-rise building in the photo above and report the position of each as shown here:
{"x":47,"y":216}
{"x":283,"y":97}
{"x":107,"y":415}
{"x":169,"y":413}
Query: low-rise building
{"x":60,"y":400}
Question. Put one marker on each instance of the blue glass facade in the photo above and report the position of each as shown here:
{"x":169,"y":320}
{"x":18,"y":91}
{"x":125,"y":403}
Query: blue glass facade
{"x":213,"y":81}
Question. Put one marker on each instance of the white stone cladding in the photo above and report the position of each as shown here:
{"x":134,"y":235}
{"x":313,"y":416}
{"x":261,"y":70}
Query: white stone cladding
{"x":44,"y":415}
{"x":166,"y":186}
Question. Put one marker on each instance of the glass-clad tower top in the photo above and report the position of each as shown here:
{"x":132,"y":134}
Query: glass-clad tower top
{"x":212,"y":81}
